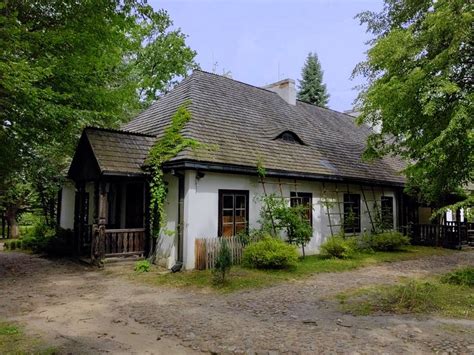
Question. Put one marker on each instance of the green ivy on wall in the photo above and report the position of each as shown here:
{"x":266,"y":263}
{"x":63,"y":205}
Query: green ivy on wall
{"x":167,"y":147}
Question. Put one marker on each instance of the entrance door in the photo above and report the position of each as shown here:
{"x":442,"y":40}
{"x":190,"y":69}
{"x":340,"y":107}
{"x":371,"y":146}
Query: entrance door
{"x":134,"y":206}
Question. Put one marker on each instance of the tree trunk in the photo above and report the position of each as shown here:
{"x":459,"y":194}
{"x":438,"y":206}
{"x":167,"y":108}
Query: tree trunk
{"x":10,"y":215}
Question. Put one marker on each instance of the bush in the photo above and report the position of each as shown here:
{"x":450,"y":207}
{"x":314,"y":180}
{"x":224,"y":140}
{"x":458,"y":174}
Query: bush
{"x":464,"y":277}
{"x":254,"y":235}
{"x":43,"y":239}
{"x":270,"y":253}
{"x":12,"y":244}
{"x":223,"y":262}
{"x":361,"y":243}
{"x":142,"y":266}
{"x":389,"y":241}
{"x":337,"y":247}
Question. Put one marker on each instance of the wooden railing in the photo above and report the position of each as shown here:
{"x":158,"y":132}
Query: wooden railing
{"x":449,"y":235}
{"x":124,"y":242}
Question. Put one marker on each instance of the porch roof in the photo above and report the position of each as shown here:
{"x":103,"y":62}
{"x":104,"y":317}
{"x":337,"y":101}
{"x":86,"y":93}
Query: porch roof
{"x":110,"y":152}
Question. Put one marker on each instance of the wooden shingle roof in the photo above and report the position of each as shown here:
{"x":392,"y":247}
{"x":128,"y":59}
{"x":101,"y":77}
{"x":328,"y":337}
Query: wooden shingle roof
{"x":243,"y":122}
{"x":111,"y":152}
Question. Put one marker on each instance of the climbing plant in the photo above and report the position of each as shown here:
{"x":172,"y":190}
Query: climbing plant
{"x":278,"y":215}
{"x":167,"y":147}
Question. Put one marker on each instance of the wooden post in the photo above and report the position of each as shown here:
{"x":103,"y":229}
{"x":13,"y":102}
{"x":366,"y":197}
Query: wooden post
{"x":3,"y":225}
{"x":148,"y":242}
{"x":78,"y":218}
{"x":98,"y":244}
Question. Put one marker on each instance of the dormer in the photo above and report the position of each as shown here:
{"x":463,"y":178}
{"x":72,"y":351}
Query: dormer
{"x":290,"y":137}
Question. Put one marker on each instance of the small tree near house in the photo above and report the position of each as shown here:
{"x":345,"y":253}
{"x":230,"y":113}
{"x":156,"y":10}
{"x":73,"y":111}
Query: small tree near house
{"x":223,"y":262}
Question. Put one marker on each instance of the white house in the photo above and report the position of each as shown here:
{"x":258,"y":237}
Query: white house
{"x":311,"y":155}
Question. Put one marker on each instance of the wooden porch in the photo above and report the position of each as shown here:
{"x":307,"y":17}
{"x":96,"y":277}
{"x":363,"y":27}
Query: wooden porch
{"x":452,"y":235}
{"x":119,"y":212}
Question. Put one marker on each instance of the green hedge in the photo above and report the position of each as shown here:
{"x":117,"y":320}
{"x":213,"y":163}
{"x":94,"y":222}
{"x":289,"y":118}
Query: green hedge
{"x":337,"y":247}
{"x":270,"y":253}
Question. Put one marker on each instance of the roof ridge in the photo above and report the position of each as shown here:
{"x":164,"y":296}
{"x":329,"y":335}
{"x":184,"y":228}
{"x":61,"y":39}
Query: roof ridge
{"x":120,"y":131}
{"x":324,"y":108}
{"x":232,"y":79}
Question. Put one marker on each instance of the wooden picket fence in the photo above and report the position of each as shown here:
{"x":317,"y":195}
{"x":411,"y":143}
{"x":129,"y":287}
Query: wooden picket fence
{"x":207,"y":249}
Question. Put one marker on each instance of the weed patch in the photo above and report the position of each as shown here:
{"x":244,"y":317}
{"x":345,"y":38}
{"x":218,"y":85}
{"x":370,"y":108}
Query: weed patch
{"x":413,"y":296}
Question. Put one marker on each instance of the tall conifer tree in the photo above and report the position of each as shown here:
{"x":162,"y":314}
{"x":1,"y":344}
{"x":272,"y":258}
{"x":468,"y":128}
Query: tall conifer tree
{"x":312,"y":89}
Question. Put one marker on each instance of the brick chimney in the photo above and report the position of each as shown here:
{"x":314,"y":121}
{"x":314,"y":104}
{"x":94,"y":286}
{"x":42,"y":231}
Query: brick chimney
{"x":285,"y":88}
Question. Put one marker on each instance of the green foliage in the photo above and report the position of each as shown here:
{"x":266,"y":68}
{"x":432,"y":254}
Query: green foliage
{"x":411,"y":296}
{"x":261,"y":171}
{"x":168,"y":146}
{"x":51,"y":241}
{"x":270,"y":253}
{"x":142,"y":266}
{"x":337,"y":247}
{"x":463,"y":277}
{"x":9,"y":330}
{"x":254,"y":235}
{"x":277,"y":216}
{"x":223,"y":262}
{"x":419,"y":72}
{"x":68,"y":64}
{"x":388,"y":241}
{"x":12,"y":244}
{"x":13,"y":340}
{"x":312,"y":89}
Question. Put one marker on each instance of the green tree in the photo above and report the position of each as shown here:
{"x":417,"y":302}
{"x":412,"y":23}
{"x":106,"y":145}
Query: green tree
{"x":67,"y":64}
{"x":312,"y":89}
{"x":278,"y":216}
{"x":420,"y":91}
{"x":223,"y":262}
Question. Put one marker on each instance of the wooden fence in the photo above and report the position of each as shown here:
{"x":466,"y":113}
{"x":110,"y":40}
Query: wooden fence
{"x":124,"y":241}
{"x":207,"y":250}
{"x":449,"y":235}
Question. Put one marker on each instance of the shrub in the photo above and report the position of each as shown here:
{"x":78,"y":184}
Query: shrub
{"x":337,"y":247}
{"x":361,"y":243}
{"x":270,"y":253}
{"x":389,"y":241}
{"x":142,"y":266}
{"x":43,"y":239}
{"x":12,"y":244}
{"x":223,"y":262}
{"x":464,"y":277}
{"x":254,"y":235}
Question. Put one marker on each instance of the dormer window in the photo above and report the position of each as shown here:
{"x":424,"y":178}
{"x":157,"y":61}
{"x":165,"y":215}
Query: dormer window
{"x":290,"y":137}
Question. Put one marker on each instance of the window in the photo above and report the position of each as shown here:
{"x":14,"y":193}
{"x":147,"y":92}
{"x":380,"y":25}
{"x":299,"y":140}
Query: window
{"x":290,"y":137}
{"x":387,"y":212}
{"x":352,"y":213}
{"x":233,"y":212}
{"x":305,"y":199}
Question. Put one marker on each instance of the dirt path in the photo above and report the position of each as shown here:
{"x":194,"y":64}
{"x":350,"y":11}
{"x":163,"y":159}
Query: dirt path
{"x":82,"y":310}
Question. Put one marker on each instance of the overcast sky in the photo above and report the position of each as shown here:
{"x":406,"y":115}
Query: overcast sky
{"x":263,"y":41}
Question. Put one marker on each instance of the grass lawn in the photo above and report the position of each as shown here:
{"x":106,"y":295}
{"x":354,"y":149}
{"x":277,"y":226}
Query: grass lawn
{"x":242,"y":278}
{"x":443,"y":296}
{"x":14,"y":341}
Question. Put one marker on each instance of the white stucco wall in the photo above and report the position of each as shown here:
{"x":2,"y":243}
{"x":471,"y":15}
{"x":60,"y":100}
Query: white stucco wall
{"x":167,"y":243}
{"x":201,"y":205}
{"x":66,"y":216}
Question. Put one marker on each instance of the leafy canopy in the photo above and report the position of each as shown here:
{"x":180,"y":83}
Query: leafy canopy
{"x":312,"y":89}
{"x":67,"y":64}
{"x":419,"y":90}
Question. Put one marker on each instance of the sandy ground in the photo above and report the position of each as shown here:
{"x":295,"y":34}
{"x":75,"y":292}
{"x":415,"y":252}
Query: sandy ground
{"x":81,"y":310}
